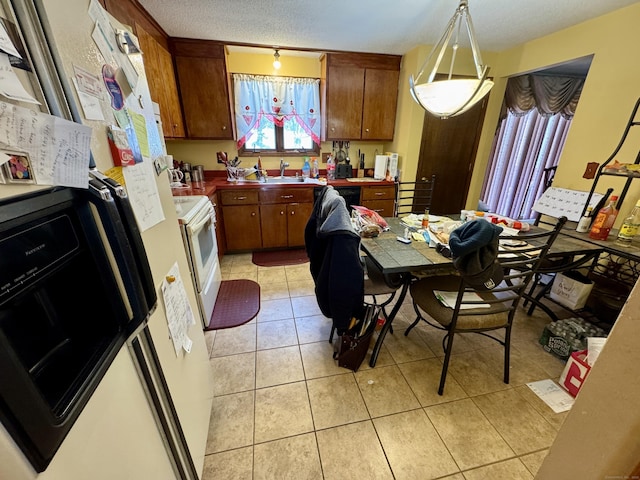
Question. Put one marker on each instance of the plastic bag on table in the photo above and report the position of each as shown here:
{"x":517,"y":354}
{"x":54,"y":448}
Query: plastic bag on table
{"x":368,"y":222}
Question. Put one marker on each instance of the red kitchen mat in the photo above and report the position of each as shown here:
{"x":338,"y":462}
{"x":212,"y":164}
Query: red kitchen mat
{"x":238,"y":302}
{"x":278,"y":258}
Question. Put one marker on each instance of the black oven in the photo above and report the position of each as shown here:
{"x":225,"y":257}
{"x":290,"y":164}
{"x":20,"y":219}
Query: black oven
{"x":69,"y":299}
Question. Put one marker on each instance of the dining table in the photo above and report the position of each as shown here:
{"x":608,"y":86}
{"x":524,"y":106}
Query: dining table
{"x":401,"y":262}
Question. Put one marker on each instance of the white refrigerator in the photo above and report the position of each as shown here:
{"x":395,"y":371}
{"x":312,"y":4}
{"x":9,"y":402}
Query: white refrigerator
{"x":120,"y":432}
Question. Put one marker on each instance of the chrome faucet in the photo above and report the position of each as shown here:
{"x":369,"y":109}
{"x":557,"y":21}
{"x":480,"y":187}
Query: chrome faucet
{"x":283,"y":165}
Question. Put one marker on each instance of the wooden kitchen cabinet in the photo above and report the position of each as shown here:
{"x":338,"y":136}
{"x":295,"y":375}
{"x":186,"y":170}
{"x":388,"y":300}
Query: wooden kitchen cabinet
{"x":204,"y":88}
{"x":379,"y":198}
{"x":158,"y":63}
{"x":161,"y":78}
{"x":359,"y":96}
{"x":241,"y":218}
{"x":284,"y":213}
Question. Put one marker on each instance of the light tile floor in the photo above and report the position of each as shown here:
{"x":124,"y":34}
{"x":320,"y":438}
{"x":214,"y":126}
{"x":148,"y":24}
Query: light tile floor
{"x":283,"y":409}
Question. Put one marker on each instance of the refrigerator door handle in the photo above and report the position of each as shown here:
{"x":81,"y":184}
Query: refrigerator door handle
{"x":99,"y":195}
{"x":123,"y":204}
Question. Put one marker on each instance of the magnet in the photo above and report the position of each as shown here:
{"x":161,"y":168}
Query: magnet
{"x":115,"y":92}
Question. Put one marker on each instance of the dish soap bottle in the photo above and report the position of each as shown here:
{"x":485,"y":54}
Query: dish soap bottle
{"x":306,"y":168}
{"x":331,"y":168}
{"x":629,"y":228}
{"x":604,"y":220}
{"x":315,"y":172}
{"x":585,"y":221}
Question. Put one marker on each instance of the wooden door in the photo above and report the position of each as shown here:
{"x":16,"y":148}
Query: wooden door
{"x":345,"y":91}
{"x":448,"y":151}
{"x":273,"y":220}
{"x":242,"y":227}
{"x":380,"y":100}
{"x":205,"y":99}
{"x":298,"y":216}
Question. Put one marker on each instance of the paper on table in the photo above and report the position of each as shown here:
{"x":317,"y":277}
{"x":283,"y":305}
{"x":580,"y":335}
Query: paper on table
{"x":550,"y":393}
{"x":448,"y":299}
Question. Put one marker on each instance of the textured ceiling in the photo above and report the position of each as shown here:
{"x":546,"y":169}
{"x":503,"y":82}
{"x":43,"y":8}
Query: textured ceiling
{"x":388,"y":26}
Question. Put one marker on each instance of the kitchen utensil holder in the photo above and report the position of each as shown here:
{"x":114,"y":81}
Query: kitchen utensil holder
{"x":235,"y":174}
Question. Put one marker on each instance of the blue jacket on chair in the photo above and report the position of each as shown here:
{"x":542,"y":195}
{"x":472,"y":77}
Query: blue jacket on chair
{"x":333,"y":247}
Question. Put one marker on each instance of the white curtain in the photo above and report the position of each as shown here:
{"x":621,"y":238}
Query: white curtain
{"x":524,"y":145}
{"x":279,"y":99}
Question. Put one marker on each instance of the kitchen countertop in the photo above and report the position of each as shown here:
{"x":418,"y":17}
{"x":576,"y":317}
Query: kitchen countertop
{"x":213,"y":183}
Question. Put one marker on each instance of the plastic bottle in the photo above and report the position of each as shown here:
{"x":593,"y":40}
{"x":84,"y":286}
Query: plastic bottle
{"x":585,"y":221}
{"x":425,"y":218}
{"x":331,"y":168}
{"x":306,"y":168}
{"x":315,"y":171}
{"x":604,"y":220}
{"x":629,"y":228}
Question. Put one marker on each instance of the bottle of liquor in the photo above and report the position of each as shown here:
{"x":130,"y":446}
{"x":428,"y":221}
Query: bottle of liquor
{"x":629,"y":228}
{"x":604,"y":220}
{"x":585,"y":221}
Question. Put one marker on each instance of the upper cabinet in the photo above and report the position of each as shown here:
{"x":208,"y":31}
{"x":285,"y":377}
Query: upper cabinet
{"x":158,"y":63}
{"x":359,"y":96}
{"x":204,"y":88}
{"x":158,"y":66}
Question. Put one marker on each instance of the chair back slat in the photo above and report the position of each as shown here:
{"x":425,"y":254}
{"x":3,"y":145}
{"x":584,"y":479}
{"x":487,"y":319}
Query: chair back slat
{"x":414,"y":197}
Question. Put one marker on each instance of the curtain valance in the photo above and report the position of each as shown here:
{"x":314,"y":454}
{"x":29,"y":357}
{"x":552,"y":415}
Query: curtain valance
{"x":549,"y":94}
{"x":278,"y":99}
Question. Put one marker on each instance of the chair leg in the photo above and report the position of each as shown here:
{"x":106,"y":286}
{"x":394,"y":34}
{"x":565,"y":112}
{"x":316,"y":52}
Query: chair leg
{"x":445,"y":365}
{"x":534,"y":284}
{"x":507,"y":353}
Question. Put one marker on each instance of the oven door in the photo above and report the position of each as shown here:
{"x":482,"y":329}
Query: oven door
{"x":203,"y":247}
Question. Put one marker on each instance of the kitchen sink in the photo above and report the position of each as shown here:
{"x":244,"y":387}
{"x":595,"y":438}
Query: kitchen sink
{"x":285,"y":179}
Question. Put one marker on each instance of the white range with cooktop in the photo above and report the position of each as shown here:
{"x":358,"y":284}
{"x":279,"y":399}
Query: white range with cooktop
{"x":197,"y":218}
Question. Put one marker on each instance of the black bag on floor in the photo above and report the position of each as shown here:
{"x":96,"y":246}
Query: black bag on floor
{"x":353,"y":345}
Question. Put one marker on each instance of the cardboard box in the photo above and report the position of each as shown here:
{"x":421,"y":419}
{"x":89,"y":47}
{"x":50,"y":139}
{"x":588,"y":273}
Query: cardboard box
{"x":575,"y":372}
{"x":564,"y":337}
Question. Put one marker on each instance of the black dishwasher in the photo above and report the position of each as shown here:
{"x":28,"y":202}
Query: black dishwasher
{"x":350,"y":194}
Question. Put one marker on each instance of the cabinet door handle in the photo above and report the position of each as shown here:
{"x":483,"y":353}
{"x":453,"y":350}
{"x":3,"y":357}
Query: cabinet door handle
{"x":333,"y":129}
{"x":239,"y":198}
{"x":224,"y":127}
{"x":379,"y":194}
{"x":286,"y":196}
{"x":293,"y":212}
{"x":366,"y":130}
{"x":379,"y":210}
{"x":281,"y":212}
{"x":253,"y":214}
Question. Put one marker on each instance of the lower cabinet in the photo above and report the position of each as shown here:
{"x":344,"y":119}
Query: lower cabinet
{"x":284,"y":213}
{"x":379,"y":198}
{"x":241,"y":218}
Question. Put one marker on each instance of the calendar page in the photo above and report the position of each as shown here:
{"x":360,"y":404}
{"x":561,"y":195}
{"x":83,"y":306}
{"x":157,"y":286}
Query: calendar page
{"x":557,"y":202}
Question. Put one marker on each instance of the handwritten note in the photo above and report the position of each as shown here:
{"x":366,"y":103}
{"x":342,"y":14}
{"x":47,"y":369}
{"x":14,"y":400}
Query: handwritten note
{"x":142,"y":189}
{"x":178,"y":310}
{"x":58,"y":149}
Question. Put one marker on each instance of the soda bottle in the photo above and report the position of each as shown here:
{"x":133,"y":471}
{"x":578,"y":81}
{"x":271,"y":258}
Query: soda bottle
{"x":629,"y":228}
{"x":604,"y":220}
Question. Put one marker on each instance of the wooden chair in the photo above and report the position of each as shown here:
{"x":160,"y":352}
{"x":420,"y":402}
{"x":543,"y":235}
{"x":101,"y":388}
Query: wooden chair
{"x":493,"y":310}
{"x":414,"y":197}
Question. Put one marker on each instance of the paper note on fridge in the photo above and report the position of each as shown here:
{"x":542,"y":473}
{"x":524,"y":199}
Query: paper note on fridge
{"x":58,"y":149}
{"x":10,"y":85}
{"x":178,"y":309}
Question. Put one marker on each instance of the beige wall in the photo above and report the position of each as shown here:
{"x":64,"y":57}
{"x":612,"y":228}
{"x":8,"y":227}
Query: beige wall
{"x":609,"y":94}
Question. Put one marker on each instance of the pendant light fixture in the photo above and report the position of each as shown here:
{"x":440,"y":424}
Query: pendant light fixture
{"x":452,"y":96}
{"x":276,"y":60}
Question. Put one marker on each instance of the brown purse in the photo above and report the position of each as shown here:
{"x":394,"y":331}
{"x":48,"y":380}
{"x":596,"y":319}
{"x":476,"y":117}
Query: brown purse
{"x":353,"y":345}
